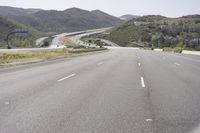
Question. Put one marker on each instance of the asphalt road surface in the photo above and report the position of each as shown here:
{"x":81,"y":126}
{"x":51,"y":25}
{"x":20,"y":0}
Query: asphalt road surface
{"x":119,"y":91}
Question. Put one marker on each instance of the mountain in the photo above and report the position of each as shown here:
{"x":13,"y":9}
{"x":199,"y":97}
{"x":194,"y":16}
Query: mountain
{"x":158,"y":31}
{"x":106,"y":17}
{"x":73,"y":19}
{"x":128,"y":17}
{"x":13,"y":11}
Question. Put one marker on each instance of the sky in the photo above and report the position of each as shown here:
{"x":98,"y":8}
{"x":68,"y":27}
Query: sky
{"x":169,"y":8}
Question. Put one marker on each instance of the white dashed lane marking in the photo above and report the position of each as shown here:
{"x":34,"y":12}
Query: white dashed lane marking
{"x":149,"y":120}
{"x":176,"y":64}
{"x":7,"y":103}
{"x":142,"y":82}
{"x":62,"y":79}
{"x":100,"y":63}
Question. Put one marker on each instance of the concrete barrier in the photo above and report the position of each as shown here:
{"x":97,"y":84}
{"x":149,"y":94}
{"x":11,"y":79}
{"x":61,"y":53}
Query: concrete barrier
{"x":191,"y":52}
{"x":158,"y":49}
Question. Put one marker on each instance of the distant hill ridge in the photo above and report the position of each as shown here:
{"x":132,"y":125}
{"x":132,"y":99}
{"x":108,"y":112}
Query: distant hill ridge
{"x":128,"y":17}
{"x":73,"y":19}
{"x":14,"y":11}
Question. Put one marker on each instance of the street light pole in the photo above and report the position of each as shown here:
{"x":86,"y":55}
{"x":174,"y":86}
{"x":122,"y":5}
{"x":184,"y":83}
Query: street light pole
{"x":7,"y":38}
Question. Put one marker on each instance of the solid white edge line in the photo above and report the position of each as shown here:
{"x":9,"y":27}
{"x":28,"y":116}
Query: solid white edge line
{"x":66,"y":77}
{"x":142,"y":82}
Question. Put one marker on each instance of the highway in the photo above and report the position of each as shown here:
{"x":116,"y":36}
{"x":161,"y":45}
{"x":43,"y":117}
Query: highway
{"x":56,"y":41}
{"x":39,"y":41}
{"x":122,"y":90}
{"x":76,"y":37}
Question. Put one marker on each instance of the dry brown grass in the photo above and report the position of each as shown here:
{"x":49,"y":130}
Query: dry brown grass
{"x":21,"y":57}
{"x":66,"y":41}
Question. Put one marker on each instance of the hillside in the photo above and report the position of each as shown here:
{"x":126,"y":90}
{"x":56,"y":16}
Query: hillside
{"x":158,"y":31}
{"x":7,"y":25}
{"x":104,"y":17}
{"x":128,"y":17}
{"x":73,"y":19}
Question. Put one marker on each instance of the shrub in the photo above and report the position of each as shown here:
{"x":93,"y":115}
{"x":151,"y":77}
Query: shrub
{"x":168,"y":49}
{"x":178,"y":50}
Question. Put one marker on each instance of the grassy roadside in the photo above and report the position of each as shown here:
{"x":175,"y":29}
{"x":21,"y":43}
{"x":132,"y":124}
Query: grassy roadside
{"x":175,"y":50}
{"x":167,"y":49}
{"x":23,"y":57}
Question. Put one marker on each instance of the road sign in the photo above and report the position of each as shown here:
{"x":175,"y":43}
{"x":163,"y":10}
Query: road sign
{"x":20,"y":31}
{"x":20,"y":34}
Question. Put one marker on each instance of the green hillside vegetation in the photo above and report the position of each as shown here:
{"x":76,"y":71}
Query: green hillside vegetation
{"x":158,"y":32}
{"x":32,"y":31}
{"x":7,"y":25}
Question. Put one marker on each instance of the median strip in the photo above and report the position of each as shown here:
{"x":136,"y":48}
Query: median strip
{"x":62,"y":79}
{"x":38,"y":55}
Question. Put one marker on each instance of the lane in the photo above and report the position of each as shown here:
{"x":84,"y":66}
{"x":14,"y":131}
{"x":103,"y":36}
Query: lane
{"x":189,"y":61}
{"x":62,"y":79}
{"x":26,"y":81}
{"x":95,"y":100}
{"x":123,"y":90}
{"x":174,"y":91}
